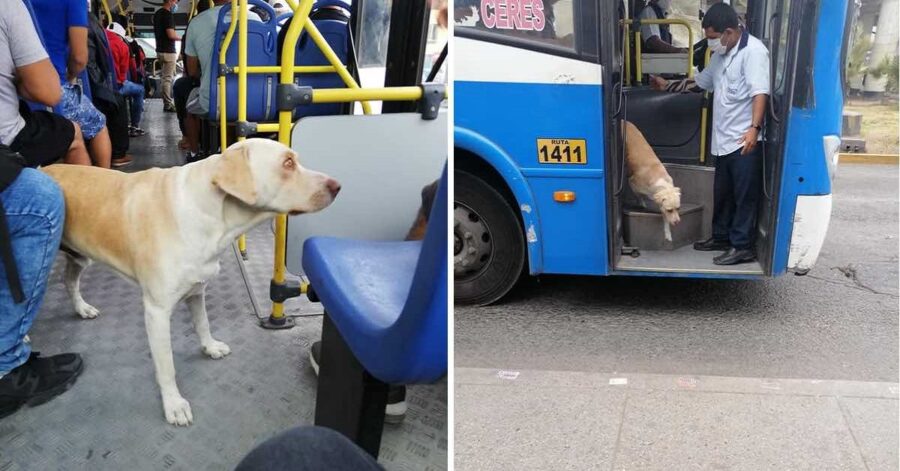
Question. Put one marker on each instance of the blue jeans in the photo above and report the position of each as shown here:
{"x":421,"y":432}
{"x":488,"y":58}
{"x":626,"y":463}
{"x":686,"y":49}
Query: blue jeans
{"x":136,"y":93}
{"x":736,"y":190}
{"x":35,"y":213}
{"x":310,"y":448}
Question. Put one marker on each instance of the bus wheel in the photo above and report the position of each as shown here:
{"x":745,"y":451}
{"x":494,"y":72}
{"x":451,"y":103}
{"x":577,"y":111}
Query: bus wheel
{"x":488,"y":244}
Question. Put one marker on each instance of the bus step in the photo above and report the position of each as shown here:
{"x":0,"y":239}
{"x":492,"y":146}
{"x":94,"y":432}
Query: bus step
{"x":644,"y":228}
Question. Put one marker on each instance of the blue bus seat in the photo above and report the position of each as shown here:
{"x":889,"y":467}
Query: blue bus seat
{"x":261,"y":51}
{"x":385,"y":321}
{"x":332,"y":19}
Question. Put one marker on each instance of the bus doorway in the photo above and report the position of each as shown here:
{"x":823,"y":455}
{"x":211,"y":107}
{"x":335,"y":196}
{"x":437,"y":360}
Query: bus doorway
{"x":678,"y":127}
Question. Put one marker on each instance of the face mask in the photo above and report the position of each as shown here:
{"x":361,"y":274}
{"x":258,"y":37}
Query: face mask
{"x":716,"y":46}
{"x":174,"y":7}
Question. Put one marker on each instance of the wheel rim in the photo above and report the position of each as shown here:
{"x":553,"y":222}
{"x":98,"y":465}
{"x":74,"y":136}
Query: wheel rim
{"x":473,"y":244}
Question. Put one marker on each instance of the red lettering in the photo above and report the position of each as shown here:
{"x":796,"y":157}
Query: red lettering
{"x":515,"y":14}
{"x":502,"y":15}
{"x":489,"y":19}
{"x":537,"y":10}
{"x":525,"y":8}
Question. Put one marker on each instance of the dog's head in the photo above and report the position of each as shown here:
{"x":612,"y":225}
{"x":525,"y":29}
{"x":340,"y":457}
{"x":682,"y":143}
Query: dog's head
{"x":267,"y":175}
{"x":669,"y":201}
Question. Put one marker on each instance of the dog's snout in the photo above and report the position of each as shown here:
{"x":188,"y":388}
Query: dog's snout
{"x":334,"y":187}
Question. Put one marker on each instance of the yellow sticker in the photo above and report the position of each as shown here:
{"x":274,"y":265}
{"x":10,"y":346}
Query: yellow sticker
{"x":562,"y":151}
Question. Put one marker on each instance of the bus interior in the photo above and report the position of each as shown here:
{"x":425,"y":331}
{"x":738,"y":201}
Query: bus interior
{"x":678,"y":128}
{"x":111,"y":418}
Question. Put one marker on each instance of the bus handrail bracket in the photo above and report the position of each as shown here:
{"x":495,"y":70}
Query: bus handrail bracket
{"x":244,"y":128}
{"x":430,"y":103}
{"x":290,"y":95}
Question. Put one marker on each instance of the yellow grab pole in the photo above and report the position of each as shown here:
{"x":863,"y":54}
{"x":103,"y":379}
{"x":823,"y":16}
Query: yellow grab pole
{"x":333,"y":59}
{"x":109,"y":18}
{"x":299,"y":69}
{"x":627,"y":47}
{"x":301,"y":12}
{"x":704,"y":115}
{"x":242,"y":86}
{"x":223,"y":103}
{"x":637,"y":56}
{"x":343,"y":95}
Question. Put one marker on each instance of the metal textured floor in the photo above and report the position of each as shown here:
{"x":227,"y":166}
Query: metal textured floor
{"x":112,"y":417}
{"x":681,"y":260}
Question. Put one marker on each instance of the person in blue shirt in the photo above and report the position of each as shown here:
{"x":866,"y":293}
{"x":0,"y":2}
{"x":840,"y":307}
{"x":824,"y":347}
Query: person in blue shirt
{"x":64,"y":27}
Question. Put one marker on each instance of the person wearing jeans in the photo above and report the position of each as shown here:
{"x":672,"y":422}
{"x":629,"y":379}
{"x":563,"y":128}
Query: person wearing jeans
{"x":31,"y":226}
{"x":122,"y":62}
{"x":308,"y":447}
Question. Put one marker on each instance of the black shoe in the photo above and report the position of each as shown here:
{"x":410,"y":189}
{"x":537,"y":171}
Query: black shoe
{"x":734,"y":256}
{"x":38,"y":380}
{"x":169,"y":109}
{"x":394,"y":412}
{"x":712,"y":245}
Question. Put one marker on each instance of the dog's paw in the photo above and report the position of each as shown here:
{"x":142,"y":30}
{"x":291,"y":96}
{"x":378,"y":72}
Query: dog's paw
{"x":86,"y":311}
{"x":216,"y":349}
{"x":178,"y":411}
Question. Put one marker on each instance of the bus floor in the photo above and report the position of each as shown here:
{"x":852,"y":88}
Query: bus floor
{"x":112,"y":417}
{"x":684,"y":259}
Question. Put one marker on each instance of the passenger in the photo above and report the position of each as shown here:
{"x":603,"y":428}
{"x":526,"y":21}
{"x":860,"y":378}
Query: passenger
{"x":166,"y":36}
{"x":31,"y":223}
{"x":198,"y":64}
{"x":123,"y":63}
{"x":183,"y":86}
{"x":105,"y":96}
{"x":308,"y":448}
{"x":657,"y":38}
{"x":41,"y":137}
{"x":64,"y":26}
{"x":738,"y":76}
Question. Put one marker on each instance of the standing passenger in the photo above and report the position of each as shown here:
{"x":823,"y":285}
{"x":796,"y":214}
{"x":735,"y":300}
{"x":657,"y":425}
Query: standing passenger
{"x":166,"y":36}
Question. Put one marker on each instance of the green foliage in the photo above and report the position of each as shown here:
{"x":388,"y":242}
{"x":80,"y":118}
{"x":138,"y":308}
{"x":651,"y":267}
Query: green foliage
{"x":889,"y":67}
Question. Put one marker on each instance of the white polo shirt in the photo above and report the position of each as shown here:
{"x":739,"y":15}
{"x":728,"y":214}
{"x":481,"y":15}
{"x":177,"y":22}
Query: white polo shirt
{"x":735,"y":78}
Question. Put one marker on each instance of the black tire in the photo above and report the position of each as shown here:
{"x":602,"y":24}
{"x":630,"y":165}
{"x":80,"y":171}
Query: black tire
{"x":489,"y":272}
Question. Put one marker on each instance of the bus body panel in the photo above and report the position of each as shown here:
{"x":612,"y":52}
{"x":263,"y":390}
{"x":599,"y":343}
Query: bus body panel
{"x":571,"y":236}
{"x":809,"y":162}
{"x":494,"y":156}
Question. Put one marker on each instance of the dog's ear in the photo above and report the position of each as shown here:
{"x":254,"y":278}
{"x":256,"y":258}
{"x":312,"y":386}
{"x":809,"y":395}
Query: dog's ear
{"x":233,"y":175}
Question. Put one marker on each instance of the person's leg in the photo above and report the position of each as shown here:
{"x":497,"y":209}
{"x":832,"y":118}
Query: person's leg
{"x":746,"y":178}
{"x":723,"y":200}
{"x":100,"y":148}
{"x":136,"y":93}
{"x":308,"y":447}
{"x":181,"y":90}
{"x":77,"y":153}
{"x":35,"y":212}
{"x":192,"y":134}
{"x":168,"y":75}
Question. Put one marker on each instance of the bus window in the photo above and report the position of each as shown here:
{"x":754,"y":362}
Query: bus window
{"x":551,"y":22}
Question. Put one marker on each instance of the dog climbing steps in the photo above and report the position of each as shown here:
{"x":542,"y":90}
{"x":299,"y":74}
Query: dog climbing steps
{"x":644,"y":228}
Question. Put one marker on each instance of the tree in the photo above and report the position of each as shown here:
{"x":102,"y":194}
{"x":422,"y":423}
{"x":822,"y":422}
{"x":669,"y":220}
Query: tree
{"x":889,"y":67}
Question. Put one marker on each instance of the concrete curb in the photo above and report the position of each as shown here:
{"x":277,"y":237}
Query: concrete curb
{"x":883,"y":159}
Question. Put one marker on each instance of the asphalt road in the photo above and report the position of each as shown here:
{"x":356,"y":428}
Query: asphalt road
{"x":838,"y":322}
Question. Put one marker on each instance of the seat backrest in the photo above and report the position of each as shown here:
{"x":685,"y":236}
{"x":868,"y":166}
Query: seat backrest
{"x":261,"y":50}
{"x":332,"y":19}
{"x":421,"y":329}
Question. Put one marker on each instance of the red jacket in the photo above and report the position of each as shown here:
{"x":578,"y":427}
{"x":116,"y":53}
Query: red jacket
{"x":121,"y":55}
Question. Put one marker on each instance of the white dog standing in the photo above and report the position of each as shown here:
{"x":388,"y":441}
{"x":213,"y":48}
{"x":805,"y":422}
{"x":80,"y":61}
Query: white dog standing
{"x":165,"y":229}
{"x":650,"y":178}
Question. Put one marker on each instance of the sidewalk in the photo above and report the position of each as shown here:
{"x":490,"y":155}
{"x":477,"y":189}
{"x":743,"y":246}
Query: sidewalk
{"x":570,"y":420}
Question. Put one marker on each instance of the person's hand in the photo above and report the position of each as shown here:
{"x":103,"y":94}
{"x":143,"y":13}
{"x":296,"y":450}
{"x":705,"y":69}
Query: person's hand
{"x":658,"y":83}
{"x":749,"y":141}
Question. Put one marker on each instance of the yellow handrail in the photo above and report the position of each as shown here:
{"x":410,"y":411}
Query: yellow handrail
{"x":352,"y":93}
{"x":704,"y":114}
{"x":109,"y":18}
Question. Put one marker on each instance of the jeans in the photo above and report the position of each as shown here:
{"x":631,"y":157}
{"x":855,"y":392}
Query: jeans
{"x":35,"y":213}
{"x":136,"y":93}
{"x":736,"y":190}
{"x":309,"y":448}
{"x":181,"y":90}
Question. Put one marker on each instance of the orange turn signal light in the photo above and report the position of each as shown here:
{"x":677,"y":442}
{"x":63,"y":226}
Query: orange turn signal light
{"x":564,"y":196}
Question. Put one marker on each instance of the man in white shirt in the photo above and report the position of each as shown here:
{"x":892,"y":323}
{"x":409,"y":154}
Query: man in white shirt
{"x":738,"y":76}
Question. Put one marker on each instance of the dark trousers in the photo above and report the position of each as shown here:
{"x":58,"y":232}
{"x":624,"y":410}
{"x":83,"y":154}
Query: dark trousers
{"x":736,"y":192}
{"x":116,"y":123}
{"x":180,"y":91}
{"x":311,"y":448}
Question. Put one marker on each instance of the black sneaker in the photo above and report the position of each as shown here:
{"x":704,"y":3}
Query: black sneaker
{"x":394,"y":412}
{"x":38,"y":380}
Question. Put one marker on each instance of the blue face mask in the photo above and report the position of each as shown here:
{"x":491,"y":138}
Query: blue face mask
{"x":174,"y":7}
